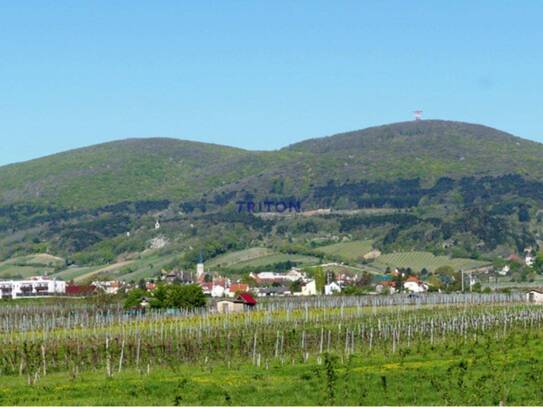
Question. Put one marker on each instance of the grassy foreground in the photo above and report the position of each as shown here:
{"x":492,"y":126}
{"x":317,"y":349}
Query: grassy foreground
{"x":506,"y":369}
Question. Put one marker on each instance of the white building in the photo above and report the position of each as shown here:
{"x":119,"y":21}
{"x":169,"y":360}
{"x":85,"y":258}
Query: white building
{"x":109,"y":287}
{"x":332,"y":288}
{"x":414,"y":285}
{"x":310,"y":288}
{"x":33,"y":287}
{"x":200,"y":270}
{"x":217,"y":291}
{"x":504,"y":270}
{"x":535,"y":296}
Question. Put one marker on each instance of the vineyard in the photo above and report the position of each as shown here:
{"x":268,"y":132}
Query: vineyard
{"x":77,"y":340}
{"x":353,"y":250}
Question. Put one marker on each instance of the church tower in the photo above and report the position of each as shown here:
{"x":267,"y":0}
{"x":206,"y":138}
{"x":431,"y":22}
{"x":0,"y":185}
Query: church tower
{"x":200,"y":267}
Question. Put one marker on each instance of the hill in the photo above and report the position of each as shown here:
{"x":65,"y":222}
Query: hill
{"x":154,"y":169}
{"x":127,"y":170}
{"x":443,"y":187}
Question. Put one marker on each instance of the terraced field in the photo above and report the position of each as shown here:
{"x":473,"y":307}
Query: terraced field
{"x":232,"y":258}
{"x":276,"y":258}
{"x":353,"y":250}
{"x":419,"y":260}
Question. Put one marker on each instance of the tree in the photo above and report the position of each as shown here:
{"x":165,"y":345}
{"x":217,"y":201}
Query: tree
{"x":188,"y":296}
{"x":133,"y":299}
{"x":538,"y":263}
{"x":319,"y":275}
{"x":296,"y":286}
{"x":141,"y":284}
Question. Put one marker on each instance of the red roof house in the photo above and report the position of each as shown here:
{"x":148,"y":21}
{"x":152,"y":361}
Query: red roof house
{"x":80,"y":290}
{"x":246,"y":299}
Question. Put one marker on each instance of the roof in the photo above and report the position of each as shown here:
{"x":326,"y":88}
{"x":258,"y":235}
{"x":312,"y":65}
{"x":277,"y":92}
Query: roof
{"x":246,"y":298}
{"x":413,"y":279}
{"x":80,"y":289}
{"x":238,"y":287}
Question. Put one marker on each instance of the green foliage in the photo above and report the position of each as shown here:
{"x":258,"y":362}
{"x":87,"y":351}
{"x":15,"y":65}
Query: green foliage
{"x":189,"y":296}
{"x":134,"y":297}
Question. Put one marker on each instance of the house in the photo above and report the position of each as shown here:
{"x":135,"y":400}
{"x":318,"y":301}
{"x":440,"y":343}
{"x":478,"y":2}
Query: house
{"x":182,"y":277}
{"x":504,"y":270}
{"x":247,"y":299}
{"x":514,"y":258}
{"x":386,"y":285}
{"x":332,"y":288}
{"x":273,"y":291}
{"x":242,"y":302}
{"x":228,"y":306}
{"x":32,"y":287}
{"x":108,"y":287}
{"x":535,"y":296}
{"x":207,"y":287}
{"x":270,"y":277}
{"x":235,"y":289}
{"x":414,"y":285}
{"x":529,"y":260}
{"x":217,"y":290}
{"x":80,"y":290}
{"x":309,"y":288}
{"x":294,"y":274}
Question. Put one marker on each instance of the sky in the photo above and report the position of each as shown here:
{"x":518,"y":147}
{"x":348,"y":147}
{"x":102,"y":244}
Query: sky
{"x":260,"y":74}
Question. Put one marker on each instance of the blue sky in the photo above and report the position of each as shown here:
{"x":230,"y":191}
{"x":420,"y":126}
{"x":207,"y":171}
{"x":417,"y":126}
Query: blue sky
{"x":260,"y":74}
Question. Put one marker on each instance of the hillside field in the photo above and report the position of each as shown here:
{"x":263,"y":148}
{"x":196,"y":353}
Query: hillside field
{"x":419,"y":260}
{"x":233,"y":258}
{"x":353,"y":250}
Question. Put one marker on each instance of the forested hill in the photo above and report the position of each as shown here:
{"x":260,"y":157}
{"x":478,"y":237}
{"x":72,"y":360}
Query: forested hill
{"x":427,"y":149}
{"x":445,"y":187}
{"x":156,"y":169}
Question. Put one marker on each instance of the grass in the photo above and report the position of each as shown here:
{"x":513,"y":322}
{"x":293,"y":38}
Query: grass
{"x":507,"y":370}
{"x":353,"y":250}
{"x":419,"y":260}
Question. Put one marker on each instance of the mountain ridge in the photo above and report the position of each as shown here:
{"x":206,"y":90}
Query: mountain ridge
{"x":169,"y":168}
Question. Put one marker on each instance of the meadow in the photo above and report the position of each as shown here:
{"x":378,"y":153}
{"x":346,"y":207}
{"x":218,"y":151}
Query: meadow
{"x":436,"y":349}
{"x":419,"y":260}
{"x":352,"y":251}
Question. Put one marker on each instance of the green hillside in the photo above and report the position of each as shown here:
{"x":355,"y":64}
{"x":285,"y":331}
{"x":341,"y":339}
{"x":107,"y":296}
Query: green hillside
{"x":419,"y":260}
{"x":441,"y":187}
{"x":428,"y":149}
{"x":354,"y":250}
{"x":135,"y":169}
{"x":151,"y":169}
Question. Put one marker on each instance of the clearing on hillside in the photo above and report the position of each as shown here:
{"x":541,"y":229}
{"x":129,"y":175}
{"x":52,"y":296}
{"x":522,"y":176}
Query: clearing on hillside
{"x":354,"y":250}
{"x":232,"y":258}
{"x":277,"y":258}
{"x":419,"y":260}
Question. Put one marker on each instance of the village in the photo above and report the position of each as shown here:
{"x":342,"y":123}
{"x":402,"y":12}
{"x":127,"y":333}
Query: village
{"x":227,"y":293}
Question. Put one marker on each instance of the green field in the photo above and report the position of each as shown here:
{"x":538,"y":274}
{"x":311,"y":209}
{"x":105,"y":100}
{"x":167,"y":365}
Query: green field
{"x":353,"y":250}
{"x":233,"y":258}
{"x":28,"y":266}
{"x":508,"y":371}
{"x":276,"y":258}
{"x":419,"y":260}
